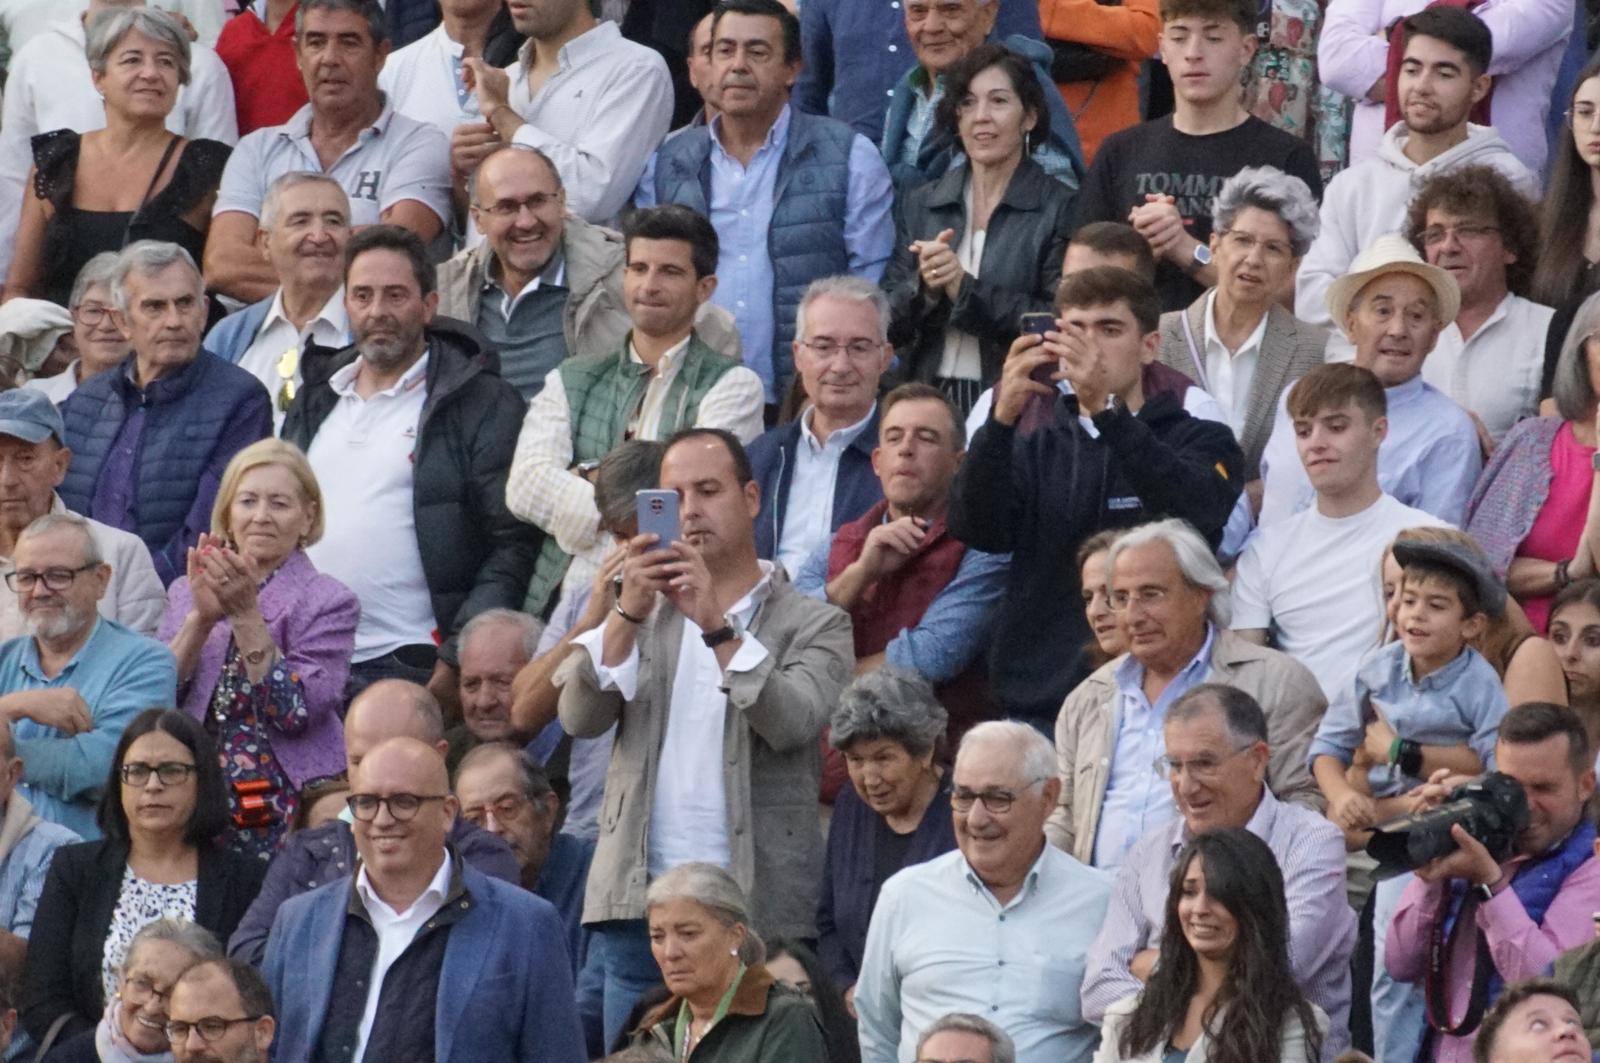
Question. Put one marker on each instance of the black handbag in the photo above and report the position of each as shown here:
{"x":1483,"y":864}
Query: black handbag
{"x":1071,"y":61}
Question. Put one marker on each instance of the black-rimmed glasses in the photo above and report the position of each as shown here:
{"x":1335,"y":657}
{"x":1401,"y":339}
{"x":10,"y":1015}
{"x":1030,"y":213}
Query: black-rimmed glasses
{"x":55,"y":579}
{"x":170,"y":772}
{"x":211,"y":1028}
{"x":401,"y":806}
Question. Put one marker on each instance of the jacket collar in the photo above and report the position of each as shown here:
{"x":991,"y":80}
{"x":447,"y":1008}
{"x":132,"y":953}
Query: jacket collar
{"x":1025,"y":192}
{"x":169,"y":388}
{"x":456,"y":354}
{"x":749,"y":1000}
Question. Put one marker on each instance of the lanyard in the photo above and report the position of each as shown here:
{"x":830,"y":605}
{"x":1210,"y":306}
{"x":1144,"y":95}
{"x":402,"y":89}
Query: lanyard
{"x":680,"y":1036}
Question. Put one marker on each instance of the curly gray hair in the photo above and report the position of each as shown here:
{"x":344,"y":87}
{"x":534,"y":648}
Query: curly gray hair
{"x":889,"y":703}
{"x":1270,"y":189}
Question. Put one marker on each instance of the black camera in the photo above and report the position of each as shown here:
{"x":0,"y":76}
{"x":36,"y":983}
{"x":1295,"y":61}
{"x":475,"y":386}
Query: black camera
{"x":1493,"y":809}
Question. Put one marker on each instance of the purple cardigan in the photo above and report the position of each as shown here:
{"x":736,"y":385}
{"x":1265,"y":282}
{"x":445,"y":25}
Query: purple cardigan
{"x":1512,"y":489}
{"x":312,"y":618}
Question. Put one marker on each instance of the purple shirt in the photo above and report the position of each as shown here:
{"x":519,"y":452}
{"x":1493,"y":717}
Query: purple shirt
{"x":113,"y":492}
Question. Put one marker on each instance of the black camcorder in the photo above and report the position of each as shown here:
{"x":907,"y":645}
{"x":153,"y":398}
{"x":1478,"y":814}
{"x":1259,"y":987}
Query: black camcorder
{"x":1493,"y":809}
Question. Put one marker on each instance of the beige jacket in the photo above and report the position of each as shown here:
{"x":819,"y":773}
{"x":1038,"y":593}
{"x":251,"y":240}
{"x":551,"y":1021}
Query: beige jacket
{"x":1291,"y":1049}
{"x":1087,"y":726}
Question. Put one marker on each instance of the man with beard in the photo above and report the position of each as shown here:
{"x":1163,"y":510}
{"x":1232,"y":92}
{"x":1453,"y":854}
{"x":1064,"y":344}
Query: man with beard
{"x":410,"y":432}
{"x":221,"y":1011}
{"x":75,"y":680}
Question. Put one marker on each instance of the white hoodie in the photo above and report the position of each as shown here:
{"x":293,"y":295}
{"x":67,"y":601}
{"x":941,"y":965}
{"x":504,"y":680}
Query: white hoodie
{"x":1370,"y":198}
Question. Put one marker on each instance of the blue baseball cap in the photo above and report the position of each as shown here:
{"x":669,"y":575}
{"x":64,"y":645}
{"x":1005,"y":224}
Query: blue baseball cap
{"x":29,"y":415}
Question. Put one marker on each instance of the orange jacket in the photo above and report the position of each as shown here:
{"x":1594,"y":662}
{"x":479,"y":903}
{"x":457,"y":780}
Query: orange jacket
{"x":1129,"y":30}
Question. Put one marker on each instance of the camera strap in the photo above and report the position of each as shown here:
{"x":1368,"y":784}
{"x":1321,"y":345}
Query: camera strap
{"x":1437,"y":986}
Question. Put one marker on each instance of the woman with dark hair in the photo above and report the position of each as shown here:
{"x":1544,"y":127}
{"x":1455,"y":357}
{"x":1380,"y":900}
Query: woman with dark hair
{"x":1568,"y":266}
{"x":163,"y":807}
{"x":1094,"y":577}
{"x":1575,"y":634}
{"x":797,"y":967}
{"x":1222,"y":990}
{"x":983,"y":244}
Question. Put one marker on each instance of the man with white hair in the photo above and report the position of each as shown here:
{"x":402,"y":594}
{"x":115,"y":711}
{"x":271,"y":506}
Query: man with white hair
{"x":964,"y":1038}
{"x":999,"y":927}
{"x":493,"y":647}
{"x":1172,"y":599}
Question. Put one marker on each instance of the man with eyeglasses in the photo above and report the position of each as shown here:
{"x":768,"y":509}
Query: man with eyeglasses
{"x":221,"y":1011}
{"x":417,"y":952}
{"x":999,"y":928}
{"x":1216,"y":764}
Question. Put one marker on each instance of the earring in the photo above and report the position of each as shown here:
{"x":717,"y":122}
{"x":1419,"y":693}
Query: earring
{"x":733,"y":952}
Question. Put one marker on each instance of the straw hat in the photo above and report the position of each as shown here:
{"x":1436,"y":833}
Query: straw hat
{"x":1392,"y":253}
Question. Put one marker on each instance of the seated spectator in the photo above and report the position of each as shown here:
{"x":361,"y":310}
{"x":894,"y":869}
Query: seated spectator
{"x":305,"y":225}
{"x":1445,"y":73}
{"x":502,"y":790}
{"x":1208,"y":138}
{"x":432,"y":485}
{"x":1172,"y":602}
{"x":960,"y":1037}
{"x":919,"y":600}
{"x":262,"y":641}
{"x":932,"y":946}
{"x":70,"y":688}
{"x":1205,"y":729}
{"x":316,"y":855}
{"x":1474,"y":224}
{"x":698,"y":72}
{"x":258,"y":47}
{"x":50,"y":86}
{"x":150,"y":441}
{"x":1128,"y":458}
{"x":815,"y":472}
{"x":1094,"y":578}
{"x":1536,"y":1021}
{"x":1310,"y":583}
{"x":70,"y":215}
{"x":33,"y":461}
{"x":798,"y":967}
{"x":890,"y":730}
{"x":725,"y":1004}
{"x":97,"y":338}
{"x":795,"y":231}
{"x":1237,"y":340}
{"x":428,"y":79}
{"x":1392,"y":306}
{"x":483,"y":973}
{"x":1531,"y":509}
{"x":1575,"y":634}
{"x":1105,"y":99}
{"x":221,"y":1010}
{"x":133,"y":1027}
{"x":1541,"y":899}
{"x":1224,"y":983}
{"x":1568,"y":270}
{"x":321,"y":801}
{"x":162,"y":805}
{"x":494,"y":647}
{"x":394,"y":169}
{"x":955,"y":308}
{"x":664,"y":375}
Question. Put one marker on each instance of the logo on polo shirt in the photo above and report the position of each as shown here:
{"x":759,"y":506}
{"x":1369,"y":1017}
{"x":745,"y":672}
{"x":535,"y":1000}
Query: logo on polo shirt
{"x":367,"y":185}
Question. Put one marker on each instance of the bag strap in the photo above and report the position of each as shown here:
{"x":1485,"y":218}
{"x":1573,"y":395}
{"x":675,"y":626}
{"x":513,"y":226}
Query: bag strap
{"x":50,"y":1036}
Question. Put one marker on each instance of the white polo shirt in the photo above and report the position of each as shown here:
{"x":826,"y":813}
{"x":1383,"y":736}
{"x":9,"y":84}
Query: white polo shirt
{"x":277,"y":337}
{"x":423,"y":81}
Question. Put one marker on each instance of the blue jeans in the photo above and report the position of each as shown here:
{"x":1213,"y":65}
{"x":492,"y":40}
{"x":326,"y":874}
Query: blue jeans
{"x":1399,"y":1009}
{"x":620,"y":958}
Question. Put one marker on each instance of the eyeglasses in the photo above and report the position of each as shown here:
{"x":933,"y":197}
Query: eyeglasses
{"x":91,"y":314}
{"x":140,"y":991}
{"x":1203,"y":768}
{"x":1583,"y":114}
{"x":211,"y":1028}
{"x":402,"y":807}
{"x":1147,"y":597}
{"x":506,"y":209}
{"x":1434,"y":235}
{"x":170,"y":772}
{"x":505,"y":808}
{"x":1244,"y":243}
{"x":858,"y":350}
{"x":998,"y":802}
{"x":56,"y":579}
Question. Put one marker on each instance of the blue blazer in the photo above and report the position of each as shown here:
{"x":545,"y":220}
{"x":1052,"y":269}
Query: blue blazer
{"x":232,"y":336}
{"x":505,"y":990}
{"x":772,"y":459}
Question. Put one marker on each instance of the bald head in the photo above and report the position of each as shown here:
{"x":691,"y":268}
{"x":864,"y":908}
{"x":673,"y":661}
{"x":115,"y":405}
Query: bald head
{"x":401,"y":765}
{"x":391,"y":708}
{"x":400,"y":795}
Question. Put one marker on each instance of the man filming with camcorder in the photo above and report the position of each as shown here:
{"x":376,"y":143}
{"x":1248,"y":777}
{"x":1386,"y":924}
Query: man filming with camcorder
{"x":1475,"y":921}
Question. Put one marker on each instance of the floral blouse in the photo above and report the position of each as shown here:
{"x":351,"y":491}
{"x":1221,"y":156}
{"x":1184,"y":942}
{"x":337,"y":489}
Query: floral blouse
{"x":242,"y":717}
{"x":138,"y":904}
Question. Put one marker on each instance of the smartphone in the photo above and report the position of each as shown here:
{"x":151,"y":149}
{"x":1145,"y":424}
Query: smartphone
{"x":658,"y":515}
{"x":1038,"y":324}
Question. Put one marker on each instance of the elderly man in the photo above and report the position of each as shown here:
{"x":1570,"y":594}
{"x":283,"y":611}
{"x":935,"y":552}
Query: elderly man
{"x":716,"y":758}
{"x":667,"y":374}
{"x":305,"y":224}
{"x":418,"y":949}
{"x":1393,"y":307}
{"x":71,"y":685}
{"x":27,"y":842}
{"x":394,"y":169}
{"x":150,"y":439}
{"x":963,"y":1038}
{"x":33,"y":462}
{"x":999,"y":927}
{"x":387,"y":709}
{"x":1217,"y":753}
{"x":221,"y":1011}
{"x":418,"y":528}
{"x":493,"y":647}
{"x":779,"y":230}
{"x":816,"y":471}
{"x":1171,"y":599}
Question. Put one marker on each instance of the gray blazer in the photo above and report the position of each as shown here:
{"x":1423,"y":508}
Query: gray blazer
{"x":1290,"y":349}
{"x":770,"y":766}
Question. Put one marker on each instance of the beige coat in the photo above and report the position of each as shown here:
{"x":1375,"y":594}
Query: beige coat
{"x":1292,"y":1049}
{"x":1087,"y":726}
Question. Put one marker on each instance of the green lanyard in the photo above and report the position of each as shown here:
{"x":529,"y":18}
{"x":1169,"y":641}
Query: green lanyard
{"x":680,"y":1036}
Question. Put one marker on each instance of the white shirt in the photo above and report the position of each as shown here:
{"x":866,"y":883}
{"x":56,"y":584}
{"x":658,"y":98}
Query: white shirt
{"x":362,"y":456}
{"x":1230,"y":373}
{"x":25,"y":19}
{"x":423,"y":81}
{"x":57,"y":388}
{"x":396,"y":931}
{"x":646,"y":421}
{"x":808,"y":514}
{"x":1496,"y":373}
{"x":330,"y":327}
{"x":689,"y":813}
{"x":962,"y":357}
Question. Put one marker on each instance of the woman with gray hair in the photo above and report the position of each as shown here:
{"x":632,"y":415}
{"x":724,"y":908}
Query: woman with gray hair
{"x":725,"y":1006}
{"x":96,"y":336}
{"x":889,"y":726}
{"x":1237,"y":341}
{"x":132,"y":180}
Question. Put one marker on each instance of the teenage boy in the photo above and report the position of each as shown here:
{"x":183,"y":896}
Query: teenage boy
{"x":1162,"y":175}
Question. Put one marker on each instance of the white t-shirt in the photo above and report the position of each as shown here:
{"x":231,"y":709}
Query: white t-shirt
{"x":1315,"y":583}
{"x":423,"y":81}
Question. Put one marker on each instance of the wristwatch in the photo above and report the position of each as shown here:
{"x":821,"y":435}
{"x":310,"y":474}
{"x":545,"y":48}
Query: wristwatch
{"x":1202,"y":256}
{"x":1484,"y":891}
{"x":1594,"y":461}
{"x":731,"y":629}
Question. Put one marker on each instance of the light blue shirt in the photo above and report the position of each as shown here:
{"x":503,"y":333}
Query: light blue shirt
{"x":23,"y":871}
{"x":940,"y":942}
{"x":1138,"y":797}
{"x":118,"y":674}
{"x":742,"y":200}
{"x":1460,"y":704}
{"x":808,"y":518}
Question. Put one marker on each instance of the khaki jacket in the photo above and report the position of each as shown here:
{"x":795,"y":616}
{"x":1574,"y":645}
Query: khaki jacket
{"x":1086,"y":733}
{"x":771,"y":764}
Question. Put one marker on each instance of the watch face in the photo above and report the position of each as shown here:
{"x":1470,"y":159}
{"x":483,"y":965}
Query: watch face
{"x":1202,"y":254}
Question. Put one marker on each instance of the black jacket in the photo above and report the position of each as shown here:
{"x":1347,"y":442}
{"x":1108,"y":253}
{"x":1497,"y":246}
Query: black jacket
{"x":475,"y":554}
{"x":1018,"y":272}
{"x":62,"y":972}
{"x":1040,"y":496}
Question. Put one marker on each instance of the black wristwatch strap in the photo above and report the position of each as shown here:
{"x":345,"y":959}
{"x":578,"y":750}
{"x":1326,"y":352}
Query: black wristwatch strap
{"x":725,"y":633}
{"x":1410,"y":759}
